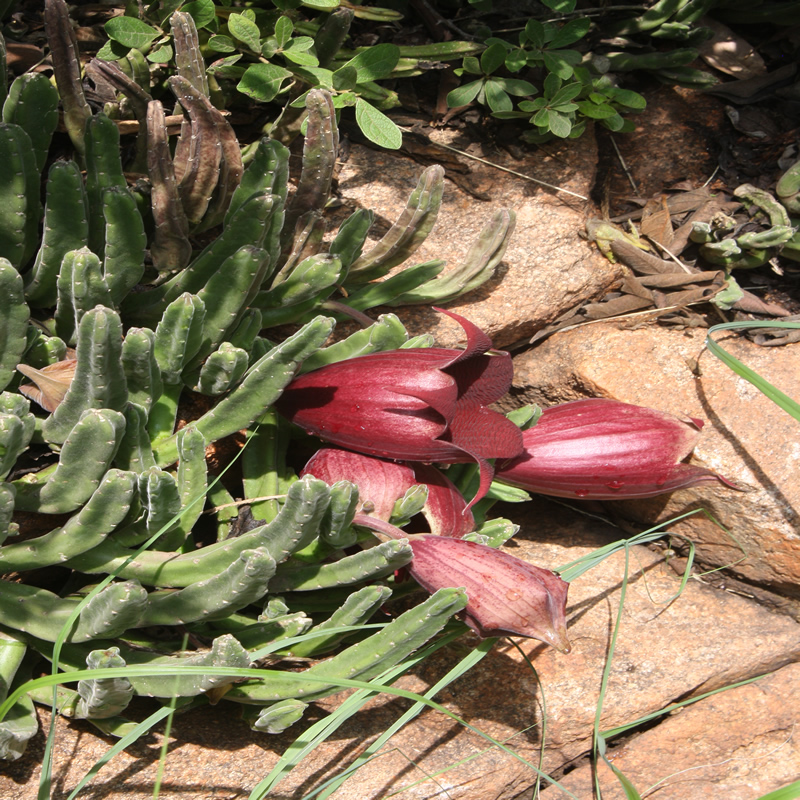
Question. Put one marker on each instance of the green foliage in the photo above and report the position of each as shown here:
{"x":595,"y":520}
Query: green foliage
{"x":156,"y":326}
{"x":573,"y":90}
{"x":268,"y":56}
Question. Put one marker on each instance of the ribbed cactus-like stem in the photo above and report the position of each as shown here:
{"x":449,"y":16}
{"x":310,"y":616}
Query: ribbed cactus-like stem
{"x":86,"y":455}
{"x":99,"y":380}
{"x":408,"y":232}
{"x":103,"y":171}
{"x":13,"y":321}
{"x":104,"y":510}
{"x":32,"y":103}
{"x":364,"y":660}
{"x":66,"y":228}
{"x":260,"y":388}
{"x":105,"y":697}
{"x":20,"y":209}
{"x":81,"y":286}
{"x":295,"y":527}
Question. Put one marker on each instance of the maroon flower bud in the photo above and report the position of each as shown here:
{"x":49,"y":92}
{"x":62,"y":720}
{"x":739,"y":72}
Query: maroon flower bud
{"x":507,"y":596}
{"x":604,"y":449}
{"x":417,"y":404}
{"x":381,"y":483}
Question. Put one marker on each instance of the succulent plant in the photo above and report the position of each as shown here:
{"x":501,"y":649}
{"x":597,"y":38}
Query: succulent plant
{"x":119,"y":323}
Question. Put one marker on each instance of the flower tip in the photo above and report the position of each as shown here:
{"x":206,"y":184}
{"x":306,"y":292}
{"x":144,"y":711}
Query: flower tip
{"x":559,"y":640}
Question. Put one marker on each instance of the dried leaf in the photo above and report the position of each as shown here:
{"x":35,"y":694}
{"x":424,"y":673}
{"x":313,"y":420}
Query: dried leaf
{"x":51,"y":382}
{"x":680,"y":279}
{"x":755,"y":305}
{"x":657,"y":221}
{"x":730,"y":53}
{"x":641,"y":262}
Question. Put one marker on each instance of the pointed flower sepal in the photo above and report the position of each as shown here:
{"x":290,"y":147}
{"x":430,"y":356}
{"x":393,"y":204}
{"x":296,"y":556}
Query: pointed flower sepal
{"x":414,"y":404}
{"x":603,"y":449}
{"x":507,"y":596}
{"x":382,"y":483}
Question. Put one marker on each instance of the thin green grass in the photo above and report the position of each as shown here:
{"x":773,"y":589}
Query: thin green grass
{"x":790,"y":792}
{"x":778,"y":397}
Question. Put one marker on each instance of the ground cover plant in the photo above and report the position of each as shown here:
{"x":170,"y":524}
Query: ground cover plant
{"x":147,"y":377}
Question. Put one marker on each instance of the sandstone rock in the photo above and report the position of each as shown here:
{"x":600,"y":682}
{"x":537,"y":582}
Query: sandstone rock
{"x":738,"y":744}
{"x":702,"y":640}
{"x":547,"y":268}
{"x":747,"y":438}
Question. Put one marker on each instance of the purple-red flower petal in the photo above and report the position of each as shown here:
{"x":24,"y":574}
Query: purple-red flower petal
{"x":381,"y":483}
{"x":604,"y":449}
{"x":507,"y":596}
{"x":416,"y":404}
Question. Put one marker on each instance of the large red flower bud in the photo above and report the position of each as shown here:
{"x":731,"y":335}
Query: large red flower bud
{"x":507,"y":596}
{"x":604,"y":449}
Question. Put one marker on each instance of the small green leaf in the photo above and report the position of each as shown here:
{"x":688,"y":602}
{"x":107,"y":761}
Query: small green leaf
{"x":300,"y":55}
{"x":509,"y":114}
{"x":344,"y":100}
{"x":566,"y":94}
{"x":492,"y":58}
{"x":161,"y":55}
{"x":246,"y":31}
{"x":552,"y":84}
{"x":377,"y":127}
{"x":516,"y":60}
{"x":560,"y":62}
{"x":202,"y":12}
{"x":472,"y":65}
{"x":131,"y":32}
{"x":345,"y":78}
{"x":534,"y":33}
{"x":316,"y":76}
{"x":112,"y":51}
{"x":615,"y":123}
{"x":559,"y":125}
{"x":301,"y":43}
{"x":516,"y":87}
{"x":284,"y":28}
{"x":321,"y":5}
{"x":464,"y":95}
{"x":542,"y":119}
{"x":263,"y":81}
{"x":627,"y":98}
{"x":573,"y":31}
{"x":225,"y":67}
{"x":578,"y":129}
{"x":533,"y":105}
{"x":376,"y":62}
{"x":222,"y":44}
{"x":596,"y":110}
{"x":496,"y":98}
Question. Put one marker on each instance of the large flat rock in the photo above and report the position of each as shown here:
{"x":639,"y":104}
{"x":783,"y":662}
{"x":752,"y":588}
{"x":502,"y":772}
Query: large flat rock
{"x":739,"y":744}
